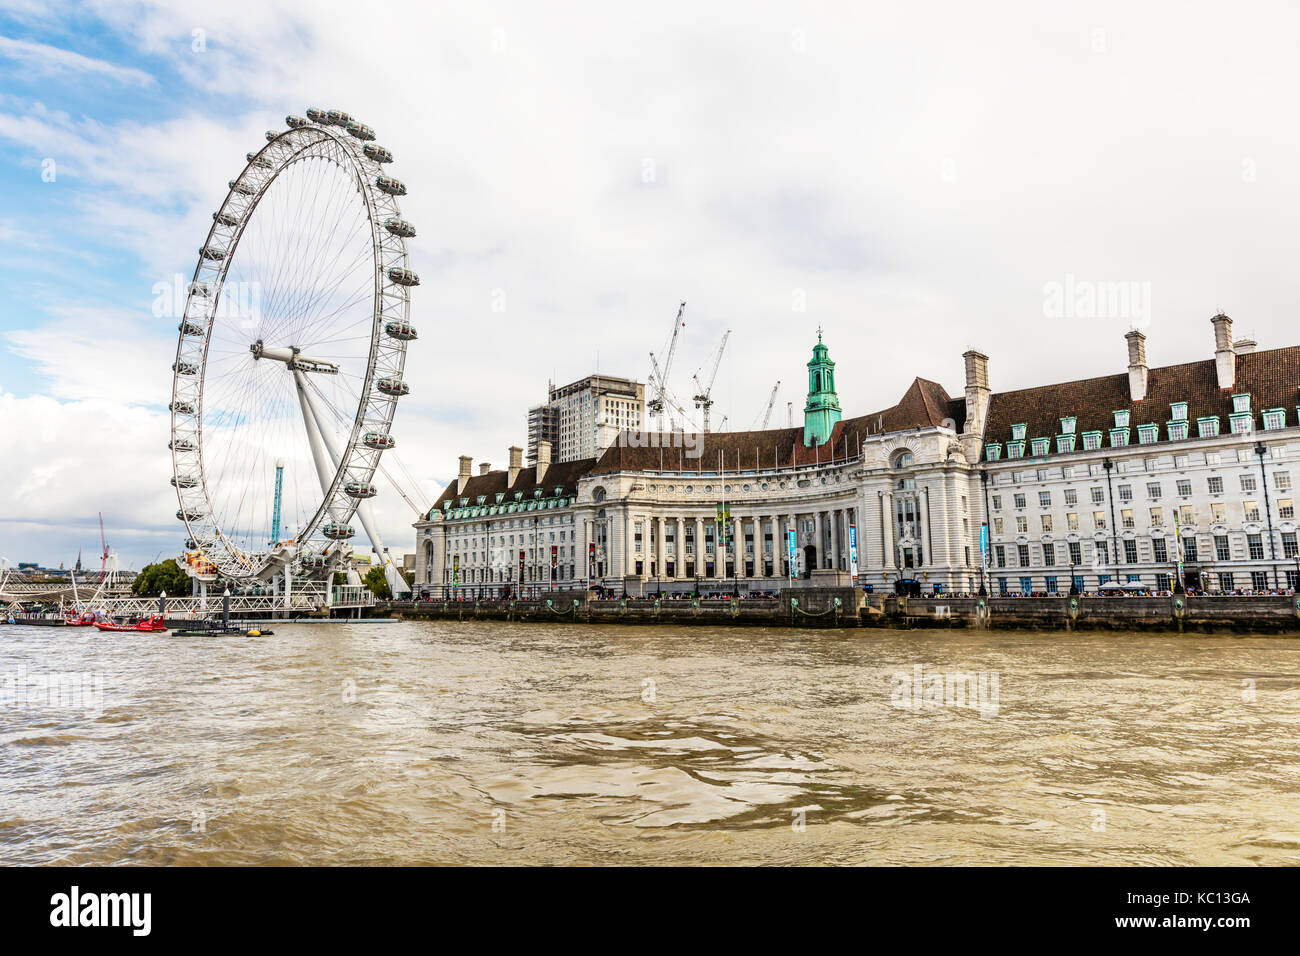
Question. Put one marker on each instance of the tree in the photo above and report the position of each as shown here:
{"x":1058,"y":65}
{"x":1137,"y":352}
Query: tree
{"x":377,"y":583}
{"x":163,"y":576}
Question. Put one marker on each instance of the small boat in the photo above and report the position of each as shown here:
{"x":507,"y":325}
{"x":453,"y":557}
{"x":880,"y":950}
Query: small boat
{"x":149,"y":625}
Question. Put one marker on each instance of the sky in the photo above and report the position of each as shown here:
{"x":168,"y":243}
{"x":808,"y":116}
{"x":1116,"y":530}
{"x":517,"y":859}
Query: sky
{"x":913,"y":179}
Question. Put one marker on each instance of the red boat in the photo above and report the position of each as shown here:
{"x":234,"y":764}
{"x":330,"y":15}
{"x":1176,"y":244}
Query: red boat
{"x":85,"y":620}
{"x":148,"y":625}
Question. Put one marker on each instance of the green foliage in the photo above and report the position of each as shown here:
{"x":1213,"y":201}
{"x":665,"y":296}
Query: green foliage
{"x":163,"y":576}
{"x":377,"y":583}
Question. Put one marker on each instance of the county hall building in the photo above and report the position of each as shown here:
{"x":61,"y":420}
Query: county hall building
{"x":1142,"y":478}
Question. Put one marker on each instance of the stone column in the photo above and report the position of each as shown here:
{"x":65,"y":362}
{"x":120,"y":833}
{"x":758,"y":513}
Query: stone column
{"x":819,"y":539}
{"x":629,"y":543}
{"x":679,"y":539}
{"x":833,"y":515}
{"x":659,"y":549}
{"x":699,"y":547}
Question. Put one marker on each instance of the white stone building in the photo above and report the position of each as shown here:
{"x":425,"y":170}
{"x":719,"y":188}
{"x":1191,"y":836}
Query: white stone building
{"x":1111,"y":479}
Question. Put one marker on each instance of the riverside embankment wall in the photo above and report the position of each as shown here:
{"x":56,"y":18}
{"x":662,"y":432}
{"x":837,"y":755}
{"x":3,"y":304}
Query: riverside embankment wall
{"x":845,"y":607}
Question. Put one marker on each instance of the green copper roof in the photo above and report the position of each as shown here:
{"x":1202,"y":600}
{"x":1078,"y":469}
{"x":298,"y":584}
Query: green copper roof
{"x":822,"y":410}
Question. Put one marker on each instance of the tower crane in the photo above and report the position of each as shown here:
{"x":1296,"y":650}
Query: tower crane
{"x":703,"y":394}
{"x":659,"y":378}
{"x":771,"y":400}
{"x":103,"y":558}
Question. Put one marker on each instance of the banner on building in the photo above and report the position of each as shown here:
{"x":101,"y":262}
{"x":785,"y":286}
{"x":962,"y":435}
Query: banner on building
{"x":792,"y":548}
{"x":853,"y":554}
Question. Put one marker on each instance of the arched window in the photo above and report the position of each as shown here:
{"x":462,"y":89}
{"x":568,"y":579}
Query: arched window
{"x":904,"y":459}
{"x":598,"y":495}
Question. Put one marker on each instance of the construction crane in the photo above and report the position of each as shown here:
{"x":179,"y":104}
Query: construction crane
{"x":789,"y":414}
{"x":659,"y":378}
{"x":771,"y":400}
{"x":103,"y":558}
{"x":703,"y":394}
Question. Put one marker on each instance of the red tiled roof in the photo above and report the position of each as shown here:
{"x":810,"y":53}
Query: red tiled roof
{"x":1272,"y":378}
{"x":925,"y":403}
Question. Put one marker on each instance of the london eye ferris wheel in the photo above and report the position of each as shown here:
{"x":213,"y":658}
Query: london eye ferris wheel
{"x":290,"y":356}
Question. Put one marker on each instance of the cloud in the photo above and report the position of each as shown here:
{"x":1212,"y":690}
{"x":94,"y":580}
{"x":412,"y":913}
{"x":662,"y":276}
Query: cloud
{"x":44,"y":60}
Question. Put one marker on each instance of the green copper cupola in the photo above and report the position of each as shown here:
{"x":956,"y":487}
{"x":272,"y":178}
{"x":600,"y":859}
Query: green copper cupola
{"x":823,"y":408}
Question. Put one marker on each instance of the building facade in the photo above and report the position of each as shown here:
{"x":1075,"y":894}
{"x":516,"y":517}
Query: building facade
{"x":1143,"y":478}
{"x":585,"y":417}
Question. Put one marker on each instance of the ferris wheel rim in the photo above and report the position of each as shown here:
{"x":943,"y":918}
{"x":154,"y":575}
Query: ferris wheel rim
{"x":375,"y":406}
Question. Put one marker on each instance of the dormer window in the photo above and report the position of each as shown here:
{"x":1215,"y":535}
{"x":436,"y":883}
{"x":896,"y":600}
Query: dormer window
{"x":1178,"y":411}
{"x":519,"y":496}
{"x":1208,"y":426}
{"x":1241,"y":403}
{"x":1068,"y":425}
{"x":500,"y":497}
{"x":1119,"y":436}
{"x":1041,"y":446}
{"x":537,"y":493}
{"x":1242,"y":423}
{"x":1121,"y":418}
{"x":1177,"y":429}
{"x":482,"y":499}
{"x":1148,"y":434}
{"x":1018,"y":432}
{"x":993,"y":451}
{"x":1274,"y":418}
{"x":1065,"y":443}
{"x":1091,"y":441}
{"x":1015,"y":449}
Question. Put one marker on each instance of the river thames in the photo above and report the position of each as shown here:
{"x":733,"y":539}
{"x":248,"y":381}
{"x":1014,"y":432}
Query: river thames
{"x":490,"y":743}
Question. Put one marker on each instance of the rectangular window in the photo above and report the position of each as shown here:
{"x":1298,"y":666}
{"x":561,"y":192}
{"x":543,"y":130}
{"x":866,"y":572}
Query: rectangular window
{"x":1274,"y":418}
{"x":1015,"y":449}
{"x":1051,"y":585}
{"x":1178,"y":411}
{"x":1153,"y":489}
{"x":1222,"y":552}
{"x":1255,"y":543}
{"x":1225,"y":582}
{"x":1098,"y":495}
{"x":1130,"y":551}
{"x":1099,"y":520}
{"x":1018,"y":432}
{"x":1289,"y":545}
{"x":1071,"y":496}
{"x":1218,"y":512}
{"x":1157,"y":517}
{"x":1026,"y":585}
{"x":1282,"y":480}
{"x":1046,"y":522}
{"x":1241,"y":402}
{"x":1022,"y":555}
{"x":1215,"y":483}
{"x":1162,"y":582}
{"x":1248,"y":483}
{"x":1126,"y":518}
{"x":1022,"y":524}
{"x":1072,"y":521}
{"x":1190,"y":551}
{"x":1076,"y":552}
{"x":1161,"y":550}
{"x":997,"y":502}
{"x":1068,"y":424}
{"x":993,"y":451}
{"x":1187,"y":515}
{"x":1177,"y":430}
{"x":1148,"y":434}
{"x":997,"y":527}
{"x":1184,"y":488}
{"x":1040,"y":447}
{"x":1208,"y":426}
{"x":1125,"y":492}
{"x":1251,"y":510}
{"x":1121,"y":418}
{"x":1049,"y":554}
{"x":1065,"y":443}
{"x":1002,"y":586}
{"x":1259,"y":580}
{"x":1020,"y":500}
{"x":1044,"y":499}
{"x":1118,"y":437}
{"x":1000,"y":553}
{"x":1091,"y":441}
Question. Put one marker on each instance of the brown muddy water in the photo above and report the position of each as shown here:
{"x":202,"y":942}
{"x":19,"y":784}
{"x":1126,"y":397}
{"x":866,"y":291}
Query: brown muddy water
{"x":491,"y":743}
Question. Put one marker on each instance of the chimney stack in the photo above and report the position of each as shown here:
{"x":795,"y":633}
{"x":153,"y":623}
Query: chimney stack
{"x":1137,"y":365}
{"x":466,"y":463}
{"x":543,"y":460}
{"x":1225,"y":356}
{"x":516,"y":463}
{"x":977,"y":391}
{"x":484,"y":468}
{"x":1244,"y":346}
